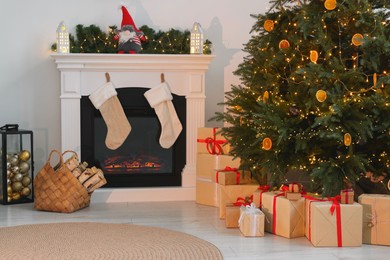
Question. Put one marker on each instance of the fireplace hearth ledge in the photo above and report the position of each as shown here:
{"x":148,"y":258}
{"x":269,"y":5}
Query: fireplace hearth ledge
{"x":81,"y":74}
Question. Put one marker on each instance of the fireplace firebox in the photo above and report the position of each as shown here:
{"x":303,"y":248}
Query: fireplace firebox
{"x":140,"y":161}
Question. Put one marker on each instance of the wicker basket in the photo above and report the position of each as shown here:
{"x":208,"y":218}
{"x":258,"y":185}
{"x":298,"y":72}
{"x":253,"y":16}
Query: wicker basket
{"x":58,"y":189}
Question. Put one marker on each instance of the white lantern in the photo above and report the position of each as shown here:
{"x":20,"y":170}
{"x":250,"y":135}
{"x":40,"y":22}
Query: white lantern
{"x":62,"y":38}
{"x":196,"y":39}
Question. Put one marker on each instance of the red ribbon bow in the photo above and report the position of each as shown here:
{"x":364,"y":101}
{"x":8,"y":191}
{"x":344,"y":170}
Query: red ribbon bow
{"x":240,"y":201}
{"x":212,"y":144}
{"x":230,"y":169}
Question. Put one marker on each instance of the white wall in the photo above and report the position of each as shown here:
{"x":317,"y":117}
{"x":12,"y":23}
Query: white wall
{"x":30,"y":82}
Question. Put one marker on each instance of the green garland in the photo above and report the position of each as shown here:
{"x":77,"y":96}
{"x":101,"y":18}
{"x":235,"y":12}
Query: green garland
{"x":91,"y":39}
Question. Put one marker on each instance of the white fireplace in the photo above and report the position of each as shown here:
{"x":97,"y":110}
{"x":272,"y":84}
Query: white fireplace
{"x":81,"y":74}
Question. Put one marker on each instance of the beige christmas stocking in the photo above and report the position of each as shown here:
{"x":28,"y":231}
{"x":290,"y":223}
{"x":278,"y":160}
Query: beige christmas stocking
{"x":118,"y":127}
{"x":160,"y":98}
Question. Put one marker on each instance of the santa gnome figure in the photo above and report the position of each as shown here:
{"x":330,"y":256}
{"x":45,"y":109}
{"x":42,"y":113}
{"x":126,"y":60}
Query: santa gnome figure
{"x":129,"y":37}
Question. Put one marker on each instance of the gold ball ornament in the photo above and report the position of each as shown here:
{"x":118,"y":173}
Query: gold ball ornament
{"x":347,"y":139}
{"x":18,"y":177}
{"x":284,"y":44}
{"x":9,"y":198}
{"x":17,"y":186}
{"x":25,"y":191}
{"x":321,"y":95}
{"x":26,"y":181}
{"x":357,"y":39}
{"x":9,"y":190}
{"x":24,"y":166}
{"x":24,"y":155}
{"x":14,"y":160}
{"x":267,"y":143}
{"x":15,"y":196}
{"x":313,"y":56}
{"x":269,"y":25}
{"x":330,"y":4}
{"x":15,"y":169}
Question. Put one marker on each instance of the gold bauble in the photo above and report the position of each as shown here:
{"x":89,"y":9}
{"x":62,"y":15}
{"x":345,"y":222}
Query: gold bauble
{"x":24,"y":155}
{"x":13,"y":160}
{"x":17,"y":186}
{"x":357,"y":39}
{"x":321,"y":95}
{"x":330,"y":4}
{"x":25,"y":191}
{"x":9,"y":198}
{"x":347,"y":139}
{"x":269,"y":25}
{"x":26,"y":181}
{"x":18,"y":177}
{"x":9,"y":190}
{"x":24,"y":166}
{"x":267,"y":143}
{"x":284,"y":44}
{"x":15,"y":196}
{"x":313,"y":56}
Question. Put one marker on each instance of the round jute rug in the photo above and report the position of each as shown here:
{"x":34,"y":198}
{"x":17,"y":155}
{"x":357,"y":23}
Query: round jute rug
{"x":89,"y":240}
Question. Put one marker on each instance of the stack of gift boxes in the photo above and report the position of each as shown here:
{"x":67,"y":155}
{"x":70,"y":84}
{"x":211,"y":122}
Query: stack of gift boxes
{"x":288,"y":212}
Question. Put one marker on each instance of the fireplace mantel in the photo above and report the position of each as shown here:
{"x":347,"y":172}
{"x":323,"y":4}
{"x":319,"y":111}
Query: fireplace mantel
{"x":81,"y":74}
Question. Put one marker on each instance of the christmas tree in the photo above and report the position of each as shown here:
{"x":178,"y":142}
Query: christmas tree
{"x":315,"y":93}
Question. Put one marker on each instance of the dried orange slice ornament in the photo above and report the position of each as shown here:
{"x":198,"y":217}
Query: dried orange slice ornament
{"x":321,"y":95}
{"x":265,"y":96}
{"x":357,"y":39}
{"x":313,"y":56}
{"x":269,"y":25}
{"x":284,"y":44}
{"x":330,"y":4}
{"x":347,"y":139}
{"x":267,"y":143}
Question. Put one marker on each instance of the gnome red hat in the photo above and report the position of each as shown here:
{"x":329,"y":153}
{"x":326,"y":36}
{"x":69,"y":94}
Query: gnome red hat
{"x":127,"y":19}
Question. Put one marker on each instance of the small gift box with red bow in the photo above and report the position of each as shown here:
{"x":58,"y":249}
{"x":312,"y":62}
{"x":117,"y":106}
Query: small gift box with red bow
{"x":233,"y":211}
{"x":210,"y":141}
{"x":347,"y":196}
{"x":293,"y":191}
{"x":229,"y":194}
{"x":231,"y":176}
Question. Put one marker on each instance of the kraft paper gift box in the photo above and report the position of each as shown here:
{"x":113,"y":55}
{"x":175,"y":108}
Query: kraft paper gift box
{"x":206,"y":163}
{"x":232,"y":215}
{"x":376,"y":218}
{"x":258,"y":195}
{"x":347,"y":196}
{"x":211,"y":142}
{"x":251,"y":221}
{"x":231,"y":176}
{"x":230,"y":193}
{"x":284,"y":217}
{"x":342,"y":228}
{"x":206,"y":192}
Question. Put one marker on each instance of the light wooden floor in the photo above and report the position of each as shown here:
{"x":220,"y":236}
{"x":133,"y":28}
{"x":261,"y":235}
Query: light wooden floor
{"x":198,"y":220}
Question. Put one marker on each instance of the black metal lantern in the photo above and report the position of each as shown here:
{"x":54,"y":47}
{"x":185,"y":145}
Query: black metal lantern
{"x":17,"y":165}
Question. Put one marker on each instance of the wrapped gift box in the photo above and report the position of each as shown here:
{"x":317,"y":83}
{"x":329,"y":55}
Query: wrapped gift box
{"x":207,"y":163}
{"x":232,"y":215}
{"x":231,"y":176}
{"x":206,"y":192}
{"x":258,"y":195}
{"x":347,"y":196}
{"x":376,"y":218}
{"x":211,"y":142}
{"x":285,"y":217}
{"x":293,"y":195}
{"x":338,"y":229}
{"x":230,"y":193}
{"x":251,"y":221}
